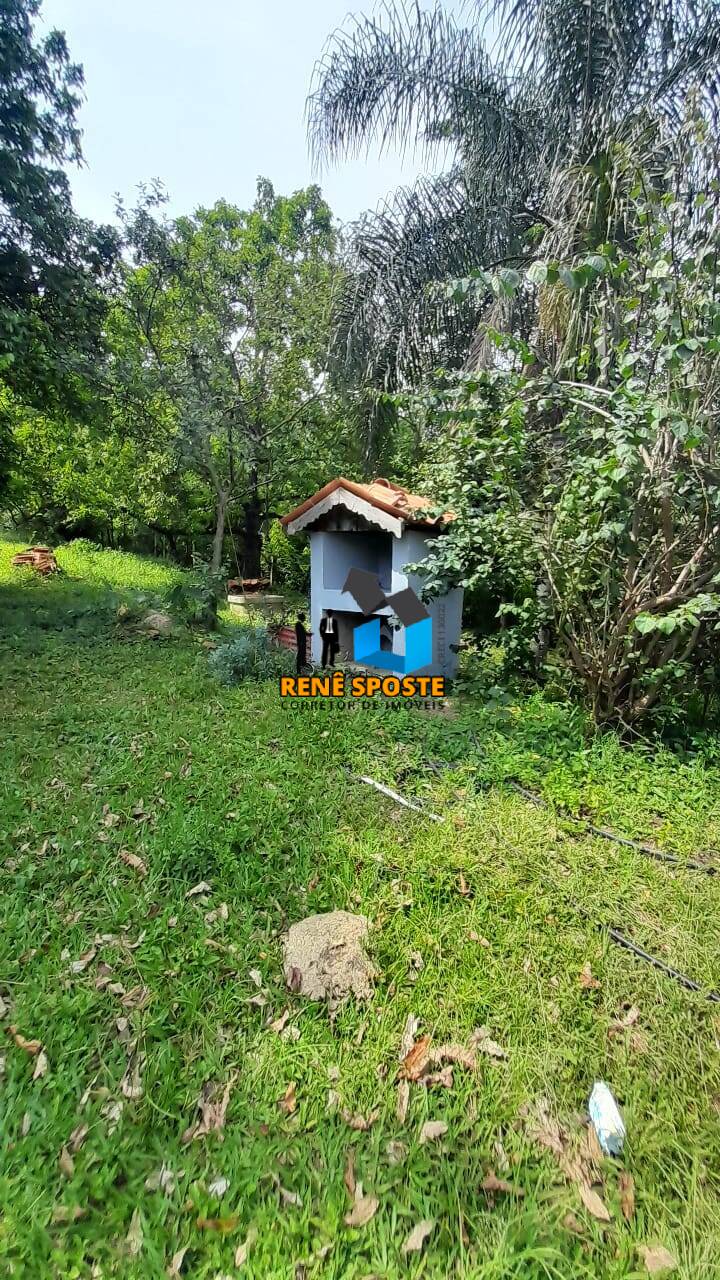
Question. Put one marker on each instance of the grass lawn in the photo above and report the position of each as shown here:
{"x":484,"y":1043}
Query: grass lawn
{"x":141,"y":994}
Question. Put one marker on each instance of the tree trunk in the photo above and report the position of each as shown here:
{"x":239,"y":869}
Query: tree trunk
{"x":217,"y":551}
{"x":252,"y":536}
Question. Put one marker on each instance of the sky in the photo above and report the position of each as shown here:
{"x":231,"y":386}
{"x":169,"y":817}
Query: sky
{"x":206,"y":97}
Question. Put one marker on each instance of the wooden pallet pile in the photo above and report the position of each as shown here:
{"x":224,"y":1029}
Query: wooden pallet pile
{"x":41,"y":559}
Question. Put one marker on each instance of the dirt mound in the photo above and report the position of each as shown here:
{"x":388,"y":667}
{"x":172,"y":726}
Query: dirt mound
{"x":325,"y":959}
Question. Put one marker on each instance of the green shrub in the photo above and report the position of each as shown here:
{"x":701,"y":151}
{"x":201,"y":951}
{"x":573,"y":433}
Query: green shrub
{"x":251,"y":656}
{"x":195,"y":599}
{"x":290,"y":558}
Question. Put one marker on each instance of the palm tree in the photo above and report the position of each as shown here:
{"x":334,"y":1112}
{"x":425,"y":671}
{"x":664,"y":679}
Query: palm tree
{"x":526,"y":124}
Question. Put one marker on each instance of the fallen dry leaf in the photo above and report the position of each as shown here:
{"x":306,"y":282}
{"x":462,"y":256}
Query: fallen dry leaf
{"x":30,"y":1046}
{"x":354,"y":1120}
{"x":573,"y":1224}
{"x":419,"y":1234}
{"x":197,"y":889}
{"x":432,"y":1130}
{"x":103,"y":976}
{"x":134,"y":1238}
{"x":457,"y":1054}
{"x":64,"y":1214}
{"x":255,"y":976}
{"x":364,"y":1208}
{"x":280,"y":1023}
{"x":77,"y":1137}
{"x":639,"y":1042}
{"x":288,"y":1102}
{"x":443,"y":1077}
{"x":132,"y":860}
{"x":123,"y":1030}
{"x":658,"y":1260}
{"x":218,"y":1187}
{"x":573,"y":1153}
{"x":25,"y":1126}
{"x":81,"y":964}
{"x":484,"y":1044}
{"x":131,"y":1085}
{"x":586,"y":978}
{"x":162,"y":1180}
{"x":463,"y":887}
{"x":66,"y":1162}
{"x":491,"y":1183}
{"x":136,"y":998}
{"x":174,"y":1270}
{"x":542,"y":1127}
{"x":406,"y":1042}
{"x":501,"y":1156}
{"x":112,"y":1112}
{"x":349,"y":1173}
{"x":242,"y":1251}
{"x":223,"y":1225}
{"x":41,"y":1066}
{"x":626,"y":1020}
{"x":626,"y":1184}
{"x":594,"y":1150}
{"x":212,"y":1105}
{"x":594,"y":1204}
{"x":289,"y":1198}
{"x":133,"y":946}
{"x":416,"y":1060}
{"x":396,"y":1152}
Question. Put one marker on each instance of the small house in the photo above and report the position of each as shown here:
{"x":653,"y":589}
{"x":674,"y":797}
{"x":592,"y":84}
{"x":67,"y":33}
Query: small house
{"x":380,"y":529}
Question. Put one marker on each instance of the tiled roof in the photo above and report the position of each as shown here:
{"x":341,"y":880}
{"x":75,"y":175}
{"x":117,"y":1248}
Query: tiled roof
{"x":380,"y":493}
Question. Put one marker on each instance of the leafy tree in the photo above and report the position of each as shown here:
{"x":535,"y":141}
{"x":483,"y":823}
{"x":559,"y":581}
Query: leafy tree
{"x":587,"y":490}
{"x":221,"y":332}
{"x":52,"y":263}
{"x":99,"y":479}
{"x":527,"y":128}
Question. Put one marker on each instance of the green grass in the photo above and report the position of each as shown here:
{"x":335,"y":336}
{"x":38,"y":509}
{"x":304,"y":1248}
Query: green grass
{"x":225,"y":785}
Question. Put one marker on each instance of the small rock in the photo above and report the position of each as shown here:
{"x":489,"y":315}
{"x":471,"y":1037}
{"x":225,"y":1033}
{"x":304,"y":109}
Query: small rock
{"x":325,"y":959}
{"x":156,"y":623}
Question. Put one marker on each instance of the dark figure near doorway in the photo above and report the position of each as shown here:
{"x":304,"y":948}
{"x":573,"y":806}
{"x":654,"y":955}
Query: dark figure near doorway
{"x":329,"y":637}
{"x":301,"y":640}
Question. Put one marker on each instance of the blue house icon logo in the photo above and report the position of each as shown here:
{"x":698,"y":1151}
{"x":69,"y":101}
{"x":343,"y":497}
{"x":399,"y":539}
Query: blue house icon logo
{"x":365,"y":589}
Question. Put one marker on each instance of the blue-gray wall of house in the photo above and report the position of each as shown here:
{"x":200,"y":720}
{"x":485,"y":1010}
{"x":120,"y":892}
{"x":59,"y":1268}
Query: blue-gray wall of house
{"x":332,"y":555}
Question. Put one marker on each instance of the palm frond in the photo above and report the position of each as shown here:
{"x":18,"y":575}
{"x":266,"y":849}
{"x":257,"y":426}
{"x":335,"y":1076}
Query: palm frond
{"x":595,"y":60}
{"x":390,"y":325}
{"x":413,"y":77}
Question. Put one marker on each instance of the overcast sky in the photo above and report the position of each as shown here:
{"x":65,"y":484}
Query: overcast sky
{"x":206,"y":96}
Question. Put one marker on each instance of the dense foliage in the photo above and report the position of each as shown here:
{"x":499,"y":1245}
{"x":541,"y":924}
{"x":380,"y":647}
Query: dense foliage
{"x":53,"y":264}
{"x":587,"y":490}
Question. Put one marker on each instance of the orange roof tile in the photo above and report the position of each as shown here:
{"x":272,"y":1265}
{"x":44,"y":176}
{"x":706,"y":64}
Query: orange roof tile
{"x":380,"y":493}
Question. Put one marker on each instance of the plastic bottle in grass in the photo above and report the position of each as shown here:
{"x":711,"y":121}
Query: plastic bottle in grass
{"x":606,"y":1119}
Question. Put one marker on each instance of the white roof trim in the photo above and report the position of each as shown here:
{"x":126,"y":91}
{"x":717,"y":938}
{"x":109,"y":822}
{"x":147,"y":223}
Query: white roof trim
{"x":344,"y":498}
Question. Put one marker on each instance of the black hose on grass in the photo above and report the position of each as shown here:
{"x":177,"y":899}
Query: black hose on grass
{"x":667,"y":969}
{"x":614,"y":934}
{"x":646,"y":849}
